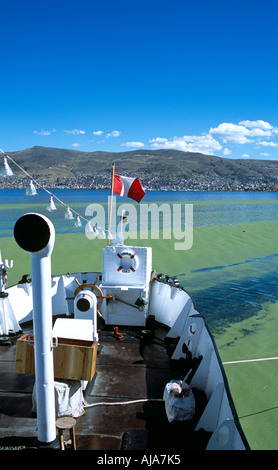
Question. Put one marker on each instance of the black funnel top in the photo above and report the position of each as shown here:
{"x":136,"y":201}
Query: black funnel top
{"x":32,"y":232}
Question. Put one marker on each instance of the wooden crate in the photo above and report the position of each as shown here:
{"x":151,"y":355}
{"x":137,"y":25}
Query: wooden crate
{"x":73,"y":359}
{"x":24,"y":359}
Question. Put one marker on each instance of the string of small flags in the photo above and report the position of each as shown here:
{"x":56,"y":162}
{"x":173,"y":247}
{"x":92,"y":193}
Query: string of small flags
{"x":31,"y":191}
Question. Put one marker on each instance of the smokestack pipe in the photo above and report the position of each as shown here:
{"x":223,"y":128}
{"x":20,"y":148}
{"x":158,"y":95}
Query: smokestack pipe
{"x":35,"y":233}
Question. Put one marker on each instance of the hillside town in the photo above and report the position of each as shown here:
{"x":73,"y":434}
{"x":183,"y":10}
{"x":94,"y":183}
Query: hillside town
{"x":206,"y":182}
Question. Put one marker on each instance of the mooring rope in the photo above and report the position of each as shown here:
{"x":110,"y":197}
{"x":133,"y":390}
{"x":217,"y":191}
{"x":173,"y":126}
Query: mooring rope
{"x":251,"y":360}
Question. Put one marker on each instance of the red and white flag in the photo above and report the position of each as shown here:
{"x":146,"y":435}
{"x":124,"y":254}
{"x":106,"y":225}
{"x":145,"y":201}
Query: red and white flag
{"x":129,"y":187}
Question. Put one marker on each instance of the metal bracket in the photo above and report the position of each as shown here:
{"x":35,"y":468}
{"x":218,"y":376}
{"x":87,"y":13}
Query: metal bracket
{"x":31,"y":337}
{"x":54,"y":342}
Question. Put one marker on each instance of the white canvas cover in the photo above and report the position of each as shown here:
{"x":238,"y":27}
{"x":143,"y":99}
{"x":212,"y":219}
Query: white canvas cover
{"x":178,"y":408}
{"x":69,"y":399}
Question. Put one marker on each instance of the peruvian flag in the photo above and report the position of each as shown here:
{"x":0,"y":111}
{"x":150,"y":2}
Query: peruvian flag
{"x":129,"y":187}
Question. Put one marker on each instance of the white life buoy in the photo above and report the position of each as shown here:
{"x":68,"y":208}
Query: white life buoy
{"x":128,"y":262}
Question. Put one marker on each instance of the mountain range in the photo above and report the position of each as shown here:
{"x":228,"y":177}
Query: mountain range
{"x":49,"y":163}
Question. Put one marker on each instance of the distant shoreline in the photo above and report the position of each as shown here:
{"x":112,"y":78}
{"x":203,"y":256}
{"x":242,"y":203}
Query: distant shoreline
{"x":159,"y":183}
{"x":164,"y":169}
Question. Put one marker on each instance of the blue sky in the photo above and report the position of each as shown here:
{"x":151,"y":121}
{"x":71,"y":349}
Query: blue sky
{"x":119,"y":75}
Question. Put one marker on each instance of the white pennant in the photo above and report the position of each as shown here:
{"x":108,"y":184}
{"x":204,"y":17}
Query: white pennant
{"x":51,"y":206}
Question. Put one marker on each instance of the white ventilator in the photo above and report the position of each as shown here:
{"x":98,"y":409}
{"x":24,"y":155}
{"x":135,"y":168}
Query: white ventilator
{"x":35,"y":234}
{"x":126,"y":274}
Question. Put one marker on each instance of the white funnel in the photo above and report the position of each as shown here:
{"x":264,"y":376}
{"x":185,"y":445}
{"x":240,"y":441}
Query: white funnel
{"x":35,"y":234}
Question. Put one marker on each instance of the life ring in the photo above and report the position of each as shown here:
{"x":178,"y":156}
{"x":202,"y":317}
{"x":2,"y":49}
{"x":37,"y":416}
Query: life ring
{"x":128,"y":262}
{"x":92,"y":287}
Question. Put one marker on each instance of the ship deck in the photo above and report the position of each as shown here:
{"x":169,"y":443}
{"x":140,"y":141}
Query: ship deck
{"x":131,"y":369}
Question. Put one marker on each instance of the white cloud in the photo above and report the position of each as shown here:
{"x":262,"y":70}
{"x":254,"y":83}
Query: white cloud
{"x":267,"y":143}
{"x":240,"y":133}
{"x":75,"y":144}
{"x":256,"y":124}
{"x":133,"y":144}
{"x":203,"y":144}
{"x":227,"y":152}
{"x":159,"y":140}
{"x":245,"y":155}
{"x":43,"y":132}
{"x":259,"y":133}
{"x":113,"y":134}
{"x":75,"y":132}
{"x":98,"y":132}
{"x":232,"y":133}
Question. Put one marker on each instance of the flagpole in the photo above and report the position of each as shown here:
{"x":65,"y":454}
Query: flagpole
{"x":111,"y":200}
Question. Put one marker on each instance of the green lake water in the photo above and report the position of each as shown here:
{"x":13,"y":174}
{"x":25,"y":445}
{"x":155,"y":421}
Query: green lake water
{"x":230,"y":271}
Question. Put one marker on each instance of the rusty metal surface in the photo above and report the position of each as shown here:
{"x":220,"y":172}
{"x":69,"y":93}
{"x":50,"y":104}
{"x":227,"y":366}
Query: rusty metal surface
{"x":18,"y":425}
{"x":127,"y":370}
